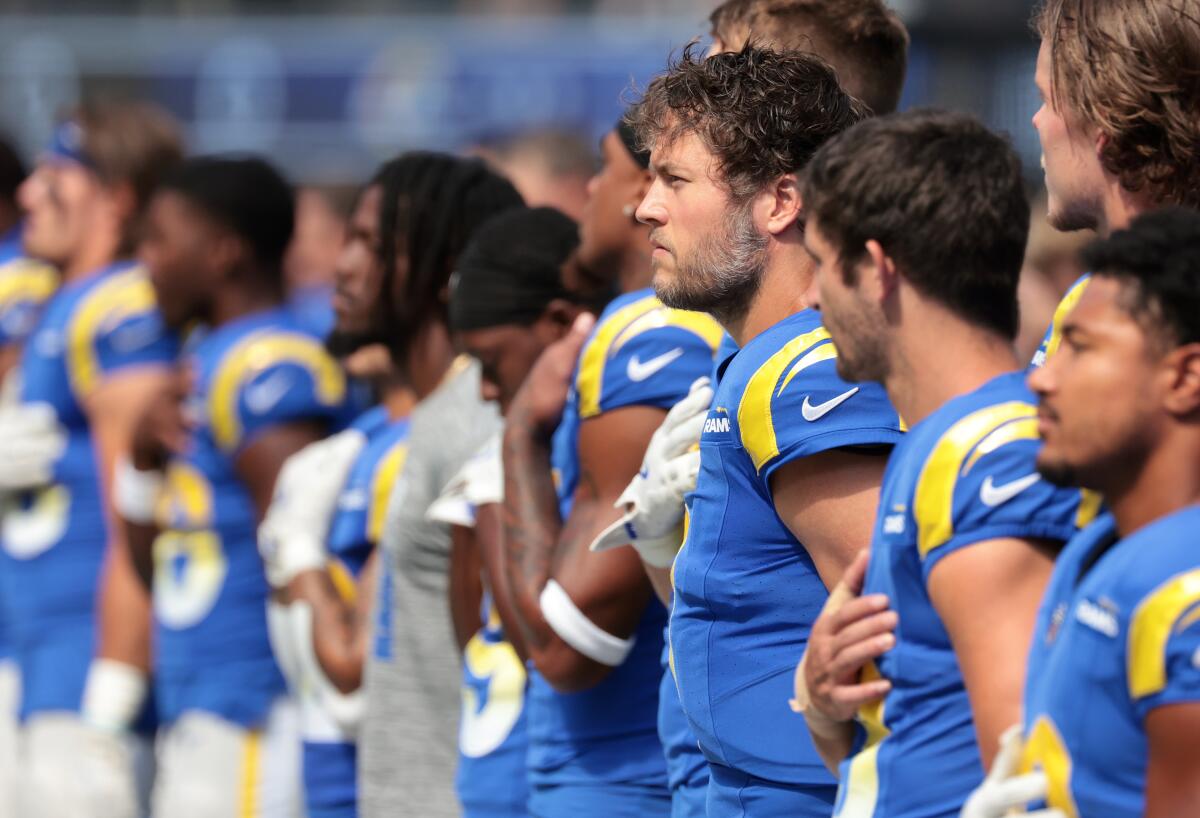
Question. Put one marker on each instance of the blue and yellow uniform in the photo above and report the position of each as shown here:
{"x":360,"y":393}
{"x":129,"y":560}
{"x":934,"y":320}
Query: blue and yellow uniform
{"x":746,"y":591}
{"x":25,"y":285}
{"x":961,"y":476}
{"x":493,"y":740}
{"x":597,"y":753}
{"x":330,"y":755}
{"x":687,"y":768}
{"x":1117,"y":637}
{"x":210,"y":592}
{"x":54,"y":538}
{"x":1053,"y":335}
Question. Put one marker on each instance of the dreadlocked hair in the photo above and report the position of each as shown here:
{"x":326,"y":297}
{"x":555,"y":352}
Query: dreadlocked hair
{"x":432,"y":203}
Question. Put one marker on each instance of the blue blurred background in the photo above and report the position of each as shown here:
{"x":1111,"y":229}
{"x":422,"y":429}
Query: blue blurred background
{"x":329,"y":89}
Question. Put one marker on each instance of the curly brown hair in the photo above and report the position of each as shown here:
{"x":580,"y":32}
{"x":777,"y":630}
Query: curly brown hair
{"x":1132,"y":69}
{"x":864,"y":40}
{"x":762,"y":113}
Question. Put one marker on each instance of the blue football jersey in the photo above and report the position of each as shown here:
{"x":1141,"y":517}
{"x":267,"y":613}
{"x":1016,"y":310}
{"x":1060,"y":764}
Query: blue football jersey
{"x":54,"y":538}
{"x":1053,"y":335}
{"x":640,"y":353}
{"x":210,"y":591}
{"x":1113,"y":642}
{"x":961,"y":476}
{"x":25,"y":285}
{"x":493,"y":742}
{"x":313,"y":308}
{"x":746,"y":591}
{"x":331,"y":766}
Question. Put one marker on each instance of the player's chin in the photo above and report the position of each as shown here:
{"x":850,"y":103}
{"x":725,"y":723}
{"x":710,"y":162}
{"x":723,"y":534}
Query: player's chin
{"x":1055,"y":468}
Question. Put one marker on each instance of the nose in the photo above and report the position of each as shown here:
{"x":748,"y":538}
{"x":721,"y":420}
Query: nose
{"x":650,"y":210}
{"x":1041,"y":378}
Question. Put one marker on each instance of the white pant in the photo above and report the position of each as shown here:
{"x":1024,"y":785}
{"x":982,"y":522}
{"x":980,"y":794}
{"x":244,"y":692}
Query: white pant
{"x":70,"y":769}
{"x":10,"y":704}
{"x":212,"y":768}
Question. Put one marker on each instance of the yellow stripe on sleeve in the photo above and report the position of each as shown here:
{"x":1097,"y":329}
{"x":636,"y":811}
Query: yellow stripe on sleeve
{"x":933,"y":503}
{"x":26,"y":280}
{"x":255,"y":353}
{"x":596,"y":353}
{"x":386,"y":474}
{"x":123,"y":295}
{"x":755,"y":421}
{"x":1153,"y":622}
{"x":1061,"y":312}
{"x":251,"y":775}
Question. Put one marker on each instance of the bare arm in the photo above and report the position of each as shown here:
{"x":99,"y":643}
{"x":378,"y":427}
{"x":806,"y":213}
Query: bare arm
{"x":610,"y":588}
{"x":1173,"y":769}
{"x":489,"y":537}
{"x":113,"y":409}
{"x":987,"y":596}
{"x":828,"y":501}
{"x":466,"y":584}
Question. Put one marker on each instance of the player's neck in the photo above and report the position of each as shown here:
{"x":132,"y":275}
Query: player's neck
{"x":635,"y":272}
{"x":1163,"y":483}
{"x":939,"y":356}
{"x":1121,"y":206}
{"x":98,"y":251}
{"x":254,"y":294}
{"x":785,"y":281}
{"x":398,"y":398}
{"x":429,"y":359}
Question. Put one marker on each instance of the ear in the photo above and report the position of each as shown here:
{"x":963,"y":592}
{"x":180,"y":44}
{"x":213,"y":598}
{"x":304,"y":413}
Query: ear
{"x":878,"y":271}
{"x":786,"y":207}
{"x":556,"y":320}
{"x":1183,"y":394}
{"x":227,"y":251}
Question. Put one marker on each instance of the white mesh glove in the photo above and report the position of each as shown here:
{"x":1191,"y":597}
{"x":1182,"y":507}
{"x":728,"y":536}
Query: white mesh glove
{"x":653,"y":502}
{"x":31,"y":442}
{"x":291,"y":538}
{"x":1002,"y":791}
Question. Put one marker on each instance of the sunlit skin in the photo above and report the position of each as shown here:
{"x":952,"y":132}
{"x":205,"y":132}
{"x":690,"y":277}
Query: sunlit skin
{"x":71,"y":219}
{"x":1070,"y":158}
{"x":1100,"y":395}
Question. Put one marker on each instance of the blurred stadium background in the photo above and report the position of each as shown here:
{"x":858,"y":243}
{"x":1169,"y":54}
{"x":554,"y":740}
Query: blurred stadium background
{"x":330,"y":87}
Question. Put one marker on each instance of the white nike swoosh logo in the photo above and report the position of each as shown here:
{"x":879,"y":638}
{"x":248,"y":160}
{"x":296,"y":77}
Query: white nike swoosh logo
{"x":640,"y":370}
{"x":133,"y":337}
{"x":820,"y":410}
{"x":993,"y":495}
{"x":262,"y":396}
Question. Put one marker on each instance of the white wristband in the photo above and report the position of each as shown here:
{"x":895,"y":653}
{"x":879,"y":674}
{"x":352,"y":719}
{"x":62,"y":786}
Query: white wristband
{"x":113,"y":695}
{"x":581,"y":633}
{"x":136,"y":492}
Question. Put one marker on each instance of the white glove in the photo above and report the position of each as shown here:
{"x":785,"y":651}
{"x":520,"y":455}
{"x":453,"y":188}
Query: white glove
{"x":1002,"y":791}
{"x":31,"y":442}
{"x":653,"y":502}
{"x":479,"y":482}
{"x":291,"y":538}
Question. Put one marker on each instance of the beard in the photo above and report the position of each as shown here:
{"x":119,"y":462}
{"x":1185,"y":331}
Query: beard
{"x":723,"y":274}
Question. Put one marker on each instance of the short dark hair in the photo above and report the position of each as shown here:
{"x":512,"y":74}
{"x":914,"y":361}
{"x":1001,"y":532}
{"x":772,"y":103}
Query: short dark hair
{"x":1157,"y":258}
{"x":762,"y":113}
{"x":944,"y":197}
{"x":432,"y":203}
{"x":245,"y":194}
{"x":864,"y":40}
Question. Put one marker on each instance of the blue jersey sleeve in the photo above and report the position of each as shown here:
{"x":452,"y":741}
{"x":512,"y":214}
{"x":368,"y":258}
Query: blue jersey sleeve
{"x":795,"y":405}
{"x":654,"y":365}
{"x":25,"y":285}
{"x":276,"y":379}
{"x":980,"y":483}
{"x":117,"y":326}
{"x":1164,"y":645}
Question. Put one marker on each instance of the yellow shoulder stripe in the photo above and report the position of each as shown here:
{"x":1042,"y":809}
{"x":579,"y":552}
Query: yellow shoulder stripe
{"x":755,"y":421}
{"x":123,"y":295}
{"x":24,"y":280}
{"x":596,"y":353}
{"x":1060,"y":315}
{"x":386,"y":474}
{"x":253,"y":354}
{"x":1153,"y":622}
{"x":933,"y":501}
{"x":1089,"y":506}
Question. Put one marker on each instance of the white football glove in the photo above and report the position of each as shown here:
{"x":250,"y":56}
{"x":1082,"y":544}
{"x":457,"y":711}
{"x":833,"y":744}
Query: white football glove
{"x":1002,"y":791}
{"x":291,"y":538}
{"x":653,"y":502}
{"x":479,"y":482}
{"x":31,"y":442}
